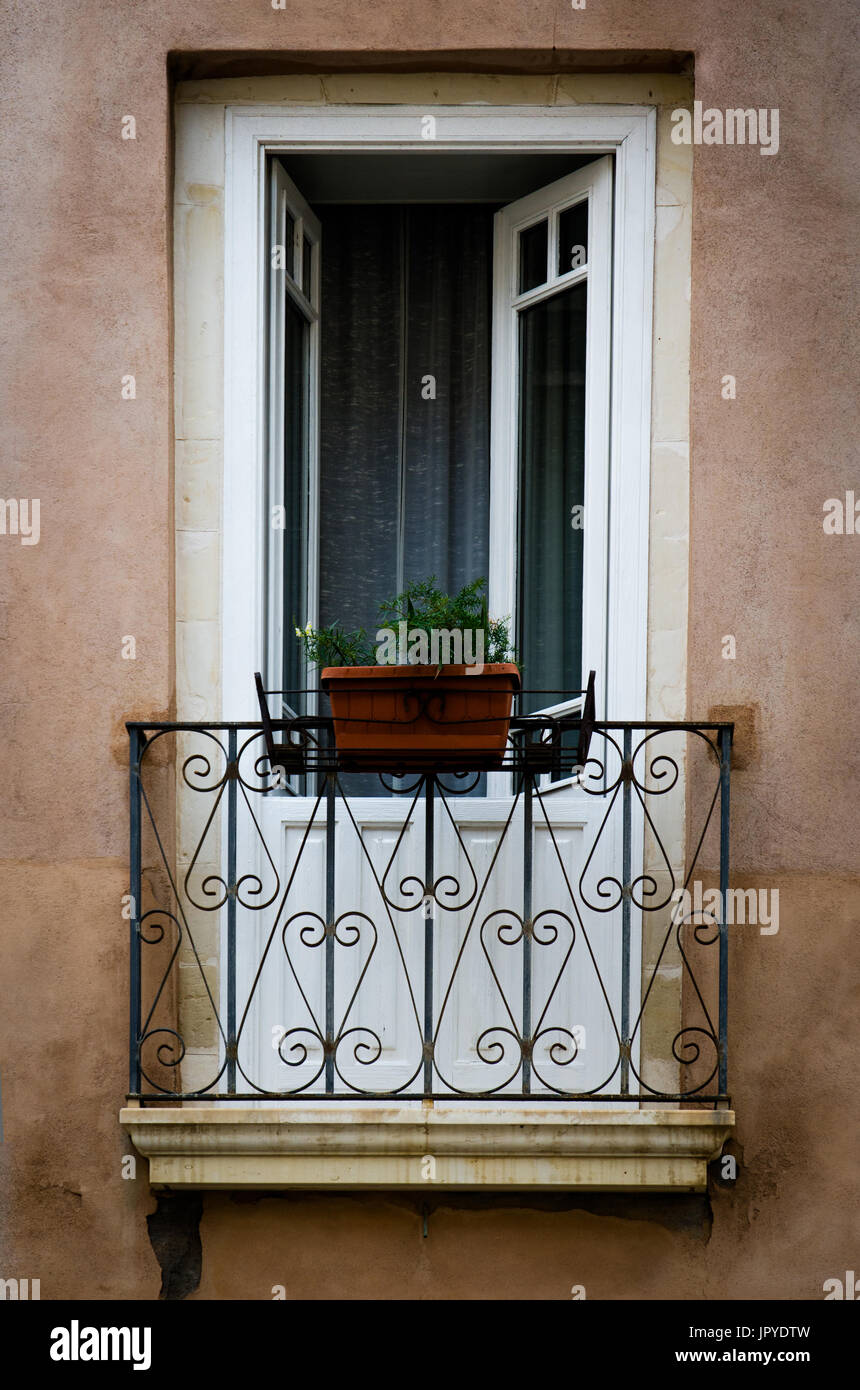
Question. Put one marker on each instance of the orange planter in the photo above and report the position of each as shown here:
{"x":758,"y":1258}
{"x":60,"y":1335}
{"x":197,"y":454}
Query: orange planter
{"x":409,"y":718}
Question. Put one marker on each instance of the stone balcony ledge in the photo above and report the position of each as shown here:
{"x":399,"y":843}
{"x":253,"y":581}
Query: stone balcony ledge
{"x":489,"y":1146}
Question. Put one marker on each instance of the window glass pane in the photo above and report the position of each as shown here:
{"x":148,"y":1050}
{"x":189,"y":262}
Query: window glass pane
{"x":552,"y":474}
{"x":289,"y":244}
{"x":307,"y":262}
{"x":573,"y":237}
{"x":294,"y":533}
{"x":360,"y":419}
{"x":405,"y":423}
{"x":533,"y":256}
{"x":405,"y":390}
{"x":446,"y":466}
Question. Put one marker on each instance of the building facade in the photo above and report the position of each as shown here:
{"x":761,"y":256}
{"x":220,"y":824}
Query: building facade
{"x":321,"y":303}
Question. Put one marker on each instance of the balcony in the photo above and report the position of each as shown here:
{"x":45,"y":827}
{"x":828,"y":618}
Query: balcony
{"x":338,"y":978}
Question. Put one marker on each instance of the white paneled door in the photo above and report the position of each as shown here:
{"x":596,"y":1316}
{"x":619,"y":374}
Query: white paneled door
{"x":393,"y":960}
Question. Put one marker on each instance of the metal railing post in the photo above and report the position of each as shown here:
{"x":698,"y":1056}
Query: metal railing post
{"x":232,"y":895}
{"x":528,"y":815}
{"x":725,"y":771}
{"x":429,"y":922}
{"x":626,"y":890}
{"x":330,"y":869}
{"x":134,"y":751}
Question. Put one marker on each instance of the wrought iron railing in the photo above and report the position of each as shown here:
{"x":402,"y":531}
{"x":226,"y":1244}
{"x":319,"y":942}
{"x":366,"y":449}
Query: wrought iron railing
{"x":521,"y":939}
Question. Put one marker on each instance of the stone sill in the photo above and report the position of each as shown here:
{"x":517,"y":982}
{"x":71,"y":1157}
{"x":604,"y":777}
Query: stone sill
{"x":381,"y":1146}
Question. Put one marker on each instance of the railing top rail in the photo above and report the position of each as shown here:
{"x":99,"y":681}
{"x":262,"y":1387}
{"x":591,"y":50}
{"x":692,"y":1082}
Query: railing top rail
{"x":669,"y":725}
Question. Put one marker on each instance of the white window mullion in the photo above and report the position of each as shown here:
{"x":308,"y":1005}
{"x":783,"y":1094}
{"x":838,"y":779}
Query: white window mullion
{"x":597,"y":426}
{"x":274,"y":491}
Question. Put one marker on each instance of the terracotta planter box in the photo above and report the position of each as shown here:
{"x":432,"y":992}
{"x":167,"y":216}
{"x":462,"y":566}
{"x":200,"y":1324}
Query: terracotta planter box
{"x":409,"y":718}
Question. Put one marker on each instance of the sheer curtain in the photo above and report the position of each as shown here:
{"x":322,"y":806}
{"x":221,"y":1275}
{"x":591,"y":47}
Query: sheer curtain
{"x":405,"y":397}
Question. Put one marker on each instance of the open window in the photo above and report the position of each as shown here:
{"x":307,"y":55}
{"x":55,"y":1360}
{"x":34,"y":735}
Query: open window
{"x":438,"y":403}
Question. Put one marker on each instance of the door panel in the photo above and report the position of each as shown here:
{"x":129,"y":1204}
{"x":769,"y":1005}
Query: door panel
{"x":377,"y":967}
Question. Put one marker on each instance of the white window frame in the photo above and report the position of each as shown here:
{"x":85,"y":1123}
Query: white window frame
{"x":251,"y":134}
{"x":591,"y":184}
{"x":284,"y":199}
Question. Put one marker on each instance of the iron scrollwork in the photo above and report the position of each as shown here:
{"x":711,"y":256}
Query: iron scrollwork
{"x":424,"y":955}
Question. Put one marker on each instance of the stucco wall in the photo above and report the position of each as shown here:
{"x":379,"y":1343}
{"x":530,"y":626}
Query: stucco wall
{"x":87,"y":229}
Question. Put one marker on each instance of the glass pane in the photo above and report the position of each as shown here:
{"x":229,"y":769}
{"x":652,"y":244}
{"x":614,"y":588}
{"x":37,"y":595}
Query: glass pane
{"x":405,"y":388}
{"x":360,"y":415}
{"x":446,"y":464}
{"x":573,"y":237}
{"x":289,"y":244}
{"x":360,"y":423}
{"x":307,"y":262}
{"x":552,"y":479}
{"x":404,"y":431}
{"x":533,"y":256}
{"x":294,"y":533}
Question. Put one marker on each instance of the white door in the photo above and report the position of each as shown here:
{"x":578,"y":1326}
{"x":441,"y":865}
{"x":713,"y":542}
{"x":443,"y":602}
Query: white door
{"x":428,"y":981}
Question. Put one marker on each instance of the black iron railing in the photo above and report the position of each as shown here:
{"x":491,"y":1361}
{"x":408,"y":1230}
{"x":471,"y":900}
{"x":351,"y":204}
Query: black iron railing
{"x":279,"y":950}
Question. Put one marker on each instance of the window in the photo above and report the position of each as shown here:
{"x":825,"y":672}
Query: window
{"x":447,"y":353}
{"x":444,"y":400}
{"x":468,"y":142}
{"x":551,"y":379}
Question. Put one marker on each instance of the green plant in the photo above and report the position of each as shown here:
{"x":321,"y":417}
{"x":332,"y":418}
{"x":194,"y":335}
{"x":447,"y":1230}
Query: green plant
{"x":334,"y":646}
{"x":424,"y":609}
